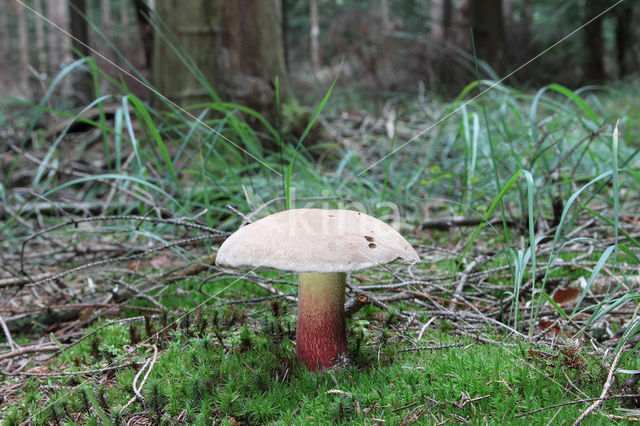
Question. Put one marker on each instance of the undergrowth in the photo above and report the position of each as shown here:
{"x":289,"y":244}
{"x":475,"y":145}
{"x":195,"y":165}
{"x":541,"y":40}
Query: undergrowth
{"x":228,"y":373}
{"x":546,"y":180}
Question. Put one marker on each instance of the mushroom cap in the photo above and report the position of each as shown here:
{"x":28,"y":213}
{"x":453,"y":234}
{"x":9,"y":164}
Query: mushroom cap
{"x":315,"y":240}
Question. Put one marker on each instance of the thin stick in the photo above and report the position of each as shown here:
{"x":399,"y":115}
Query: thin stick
{"x":27,"y":350}
{"x":71,"y":373}
{"x":579,"y":401}
{"x":429,"y":348}
{"x":7,"y":334}
{"x":605,"y":389}
{"x":136,"y":389}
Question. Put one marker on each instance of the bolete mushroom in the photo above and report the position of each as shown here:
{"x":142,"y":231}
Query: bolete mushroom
{"x":321,"y":245}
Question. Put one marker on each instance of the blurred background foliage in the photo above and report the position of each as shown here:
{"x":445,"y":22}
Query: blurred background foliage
{"x":382,"y":45}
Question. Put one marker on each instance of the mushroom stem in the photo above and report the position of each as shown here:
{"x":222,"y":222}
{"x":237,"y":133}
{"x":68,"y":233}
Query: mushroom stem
{"x":320,"y":333}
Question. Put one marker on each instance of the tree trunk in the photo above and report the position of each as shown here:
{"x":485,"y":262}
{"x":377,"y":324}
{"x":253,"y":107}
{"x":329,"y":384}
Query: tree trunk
{"x":146,"y":31}
{"x":105,"y":18}
{"x":624,"y":38}
{"x":237,"y":45}
{"x":82,"y":85}
{"x":5,"y":50}
{"x":593,"y":43}
{"x":314,"y":34}
{"x":40,"y":41}
{"x":59,"y":53}
{"x":284,"y":6}
{"x":488,"y":31}
{"x":124,"y":23}
{"x":384,"y":15}
{"x":251,"y":35}
{"x":526,"y":20}
{"x":436,"y":15}
{"x":508,"y":7}
{"x":79,"y":29}
{"x":23,"y":49}
{"x":196,"y":31}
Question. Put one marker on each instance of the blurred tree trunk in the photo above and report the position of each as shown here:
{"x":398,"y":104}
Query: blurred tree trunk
{"x":40,"y":41}
{"x":284,"y":6}
{"x":314,"y":34}
{"x":237,"y":45}
{"x":146,"y":31}
{"x":252,"y":38}
{"x":624,"y":38}
{"x":525,"y":20}
{"x":124,"y":23}
{"x":196,"y":34}
{"x":59,"y":54}
{"x":105,"y":18}
{"x":488,"y":31}
{"x":384,"y":15}
{"x":441,"y":14}
{"x":5,"y":50}
{"x":23,"y":49}
{"x":79,"y":30}
{"x":593,"y":42}
{"x":436,"y":14}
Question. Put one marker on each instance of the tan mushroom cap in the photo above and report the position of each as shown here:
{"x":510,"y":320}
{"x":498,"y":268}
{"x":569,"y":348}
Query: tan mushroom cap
{"x":315,"y":240}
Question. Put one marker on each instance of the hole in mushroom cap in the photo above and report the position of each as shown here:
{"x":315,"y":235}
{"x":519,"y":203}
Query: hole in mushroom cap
{"x":372,"y":245}
{"x":332,"y":215}
{"x":368,"y":238}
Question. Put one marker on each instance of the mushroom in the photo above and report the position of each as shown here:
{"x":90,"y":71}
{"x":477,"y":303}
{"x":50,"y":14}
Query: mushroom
{"x":321,"y":245}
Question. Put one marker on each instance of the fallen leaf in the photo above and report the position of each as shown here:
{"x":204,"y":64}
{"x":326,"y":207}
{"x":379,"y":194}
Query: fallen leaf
{"x":544,"y":324}
{"x":133,"y":265}
{"x":536,"y":354}
{"x":566,"y":296}
{"x":41,"y":369}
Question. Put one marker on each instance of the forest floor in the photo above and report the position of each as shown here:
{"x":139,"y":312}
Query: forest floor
{"x":113,"y":310}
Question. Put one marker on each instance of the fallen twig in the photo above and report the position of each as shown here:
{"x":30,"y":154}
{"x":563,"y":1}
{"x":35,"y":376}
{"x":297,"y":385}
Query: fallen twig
{"x":579,"y":401}
{"x":430,"y":348}
{"x":70,"y":373}
{"x":136,"y":389}
{"x":605,"y":389}
{"x":7,"y":334}
{"x":28,"y":350}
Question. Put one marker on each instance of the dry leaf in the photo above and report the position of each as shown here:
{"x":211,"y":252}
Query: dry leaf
{"x":544,"y":324}
{"x":566,"y":296}
{"x":41,"y":369}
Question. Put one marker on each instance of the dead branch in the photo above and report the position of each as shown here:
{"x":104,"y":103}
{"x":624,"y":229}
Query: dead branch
{"x":29,"y":350}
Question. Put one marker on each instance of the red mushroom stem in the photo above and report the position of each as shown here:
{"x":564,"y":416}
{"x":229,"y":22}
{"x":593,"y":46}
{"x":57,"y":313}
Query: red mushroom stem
{"x":320,"y":333}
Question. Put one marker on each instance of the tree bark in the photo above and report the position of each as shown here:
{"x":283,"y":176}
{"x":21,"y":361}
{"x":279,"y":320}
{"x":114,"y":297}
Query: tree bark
{"x":237,"y":45}
{"x":624,"y":38}
{"x":81,"y":84}
{"x":124,"y":22}
{"x":5,"y":50}
{"x":59,"y":53}
{"x":384,"y":15}
{"x":436,"y":14}
{"x":23,"y":49}
{"x":488,"y":31}
{"x":40,"y":41}
{"x":146,"y":31}
{"x":105,"y":18}
{"x":196,"y":35}
{"x":78,"y":26}
{"x":593,"y":43}
{"x":251,"y":35}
